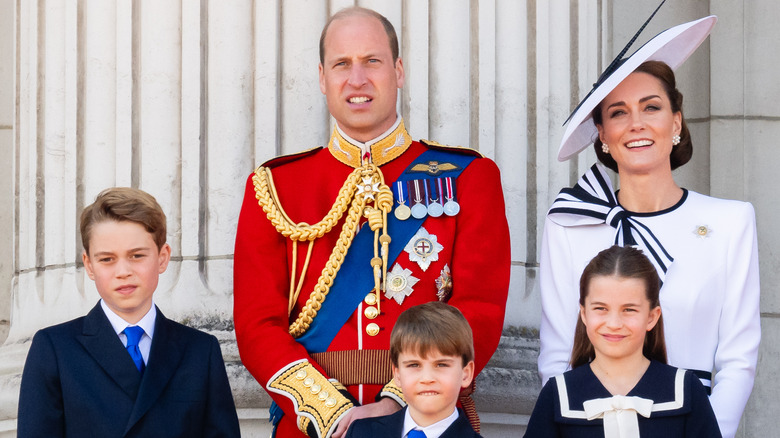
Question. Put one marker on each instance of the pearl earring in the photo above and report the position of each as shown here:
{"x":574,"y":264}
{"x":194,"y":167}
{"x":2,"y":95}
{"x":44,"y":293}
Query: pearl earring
{"x":675,"y":140}
{"x":605,"y":148}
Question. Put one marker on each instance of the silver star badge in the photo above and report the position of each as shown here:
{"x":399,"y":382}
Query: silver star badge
{"x":423,"y":248}
{"x":399,"y":283}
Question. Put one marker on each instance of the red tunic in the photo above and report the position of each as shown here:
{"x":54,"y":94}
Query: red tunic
{"x":475,"y":244}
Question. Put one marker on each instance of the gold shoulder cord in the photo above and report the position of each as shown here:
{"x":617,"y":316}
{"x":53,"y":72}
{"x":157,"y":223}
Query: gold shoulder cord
{"x":364,"y":186}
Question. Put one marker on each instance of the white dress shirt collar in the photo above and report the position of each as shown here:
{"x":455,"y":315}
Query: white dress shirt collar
{"x":434,"y":430}
{"x":146,"y":323}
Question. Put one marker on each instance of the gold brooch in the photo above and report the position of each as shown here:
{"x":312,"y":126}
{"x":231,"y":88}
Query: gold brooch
{"x":702,"y":231}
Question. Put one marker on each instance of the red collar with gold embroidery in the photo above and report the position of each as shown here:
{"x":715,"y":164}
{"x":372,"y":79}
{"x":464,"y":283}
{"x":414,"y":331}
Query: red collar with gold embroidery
{"x":382,"y":151}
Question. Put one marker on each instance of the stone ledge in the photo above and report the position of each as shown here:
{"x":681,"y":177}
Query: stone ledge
{"x":510,"y":382}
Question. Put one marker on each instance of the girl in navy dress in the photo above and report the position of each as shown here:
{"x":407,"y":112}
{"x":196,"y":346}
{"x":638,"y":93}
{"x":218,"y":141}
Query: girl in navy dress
{"x":620,"y":385}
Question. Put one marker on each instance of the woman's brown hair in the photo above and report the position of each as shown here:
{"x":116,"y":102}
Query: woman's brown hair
{"x":681,"y":153}
{"x":622,"y":262}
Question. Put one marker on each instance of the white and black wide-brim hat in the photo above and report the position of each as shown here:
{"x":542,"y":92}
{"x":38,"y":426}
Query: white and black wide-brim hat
{"x":672,"y":46}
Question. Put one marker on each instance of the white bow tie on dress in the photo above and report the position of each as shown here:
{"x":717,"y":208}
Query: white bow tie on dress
{"x":619,"y":414}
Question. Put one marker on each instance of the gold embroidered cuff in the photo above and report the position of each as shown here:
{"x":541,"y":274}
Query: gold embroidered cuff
{"x":318,"y":402}
{"x":393,"y":391}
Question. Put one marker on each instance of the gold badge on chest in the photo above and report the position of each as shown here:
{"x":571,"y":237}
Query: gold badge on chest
{"x":433,"y":168}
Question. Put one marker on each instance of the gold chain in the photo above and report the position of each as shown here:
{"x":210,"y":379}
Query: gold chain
{"x":351,"y":200}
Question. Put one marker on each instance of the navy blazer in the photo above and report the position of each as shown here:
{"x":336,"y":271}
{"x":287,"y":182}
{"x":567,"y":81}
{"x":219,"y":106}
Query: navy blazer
{"x":79,"y":381}
{"x":391,"y":426}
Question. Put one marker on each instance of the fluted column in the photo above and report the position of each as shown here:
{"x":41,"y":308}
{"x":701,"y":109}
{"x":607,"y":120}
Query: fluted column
{"x":184,"y":99}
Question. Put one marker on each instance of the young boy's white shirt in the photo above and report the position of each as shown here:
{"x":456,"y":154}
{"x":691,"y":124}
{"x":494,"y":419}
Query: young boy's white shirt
{"x":434,"y":430}
{"x":146,"y":323}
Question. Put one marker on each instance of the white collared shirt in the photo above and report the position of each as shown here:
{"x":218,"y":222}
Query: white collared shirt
{"x":434,"y":430}
{"x":146,"y":323}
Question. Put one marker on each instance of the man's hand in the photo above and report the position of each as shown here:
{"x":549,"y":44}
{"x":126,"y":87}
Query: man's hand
{"x":385,"y":406}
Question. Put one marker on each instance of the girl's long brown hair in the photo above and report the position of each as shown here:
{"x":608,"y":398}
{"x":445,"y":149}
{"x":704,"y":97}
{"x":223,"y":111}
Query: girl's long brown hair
{"x":623,"y":262}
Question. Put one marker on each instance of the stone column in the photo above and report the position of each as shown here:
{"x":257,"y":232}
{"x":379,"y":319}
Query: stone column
{"x":113,"y":93}
{"x":184,"y":99}
{"x":744,"y":157}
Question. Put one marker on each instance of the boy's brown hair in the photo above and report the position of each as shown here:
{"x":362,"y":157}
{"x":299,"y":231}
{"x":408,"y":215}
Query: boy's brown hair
{"x":432,"y":326}
{"x":124,"y":204}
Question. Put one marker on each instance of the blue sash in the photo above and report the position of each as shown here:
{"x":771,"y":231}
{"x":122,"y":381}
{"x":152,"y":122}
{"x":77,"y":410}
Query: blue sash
{"x":356,"y":277}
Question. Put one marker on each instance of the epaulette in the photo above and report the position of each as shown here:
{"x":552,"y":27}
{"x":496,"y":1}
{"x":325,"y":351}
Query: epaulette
{"x":284,"y":159}
{"x":457,"y":149}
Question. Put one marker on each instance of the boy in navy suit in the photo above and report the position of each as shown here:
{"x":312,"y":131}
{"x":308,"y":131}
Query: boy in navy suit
{"x":124,"y":369}
{"x":432,"y":354}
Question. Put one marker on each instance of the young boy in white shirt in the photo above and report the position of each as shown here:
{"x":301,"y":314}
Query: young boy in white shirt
{"x":432,"y":354}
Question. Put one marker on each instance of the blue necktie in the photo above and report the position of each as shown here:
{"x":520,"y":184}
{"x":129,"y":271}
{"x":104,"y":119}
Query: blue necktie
{"x":414,"y":433}
{"x":134,"y":334}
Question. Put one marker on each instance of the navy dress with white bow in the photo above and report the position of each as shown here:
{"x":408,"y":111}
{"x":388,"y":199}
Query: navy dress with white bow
{"x":666,"y":402}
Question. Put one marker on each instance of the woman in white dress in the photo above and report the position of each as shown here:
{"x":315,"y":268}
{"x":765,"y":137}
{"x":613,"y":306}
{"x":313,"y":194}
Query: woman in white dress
{"x":703,"y":248}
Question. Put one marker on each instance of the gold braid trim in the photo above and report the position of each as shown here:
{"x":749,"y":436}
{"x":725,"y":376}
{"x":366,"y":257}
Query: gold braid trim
{"x":265,"y":192}
{"x":364,"y":184}
{"x":393,"y":391}
{"x":317,"y":400}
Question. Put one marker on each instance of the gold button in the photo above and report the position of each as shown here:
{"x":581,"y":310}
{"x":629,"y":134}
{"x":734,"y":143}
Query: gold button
{"x":372,"y":329}
{"x":370,"y":299}
{"x":308,"y":382}
{"x":702,"y":231}
{"x":331,"y":402}
{"x":371,"y":312}
{"x":315,"y":388}
{"x":300,"y":375}
{"x":323,"y":395}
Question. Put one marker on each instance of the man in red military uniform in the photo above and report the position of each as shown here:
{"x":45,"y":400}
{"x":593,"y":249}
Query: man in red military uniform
{"x":334,"y":243}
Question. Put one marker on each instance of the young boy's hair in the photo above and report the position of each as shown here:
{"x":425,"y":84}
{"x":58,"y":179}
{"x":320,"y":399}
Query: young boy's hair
{"x":124,"y":204}
{"x":621,"y":262}
{"x":429,"y":327}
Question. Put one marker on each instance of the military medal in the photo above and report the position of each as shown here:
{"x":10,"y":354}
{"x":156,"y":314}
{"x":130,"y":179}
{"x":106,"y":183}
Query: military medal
{"x":368,"y":188}
{"x":444,"y":284}
{"x":419,"y":210}
{"x":402,"y":211}
{"x":399,"y":283}
{"x":423,"y":248}
{"x":434,"y":207}
{"x":451,"y":207}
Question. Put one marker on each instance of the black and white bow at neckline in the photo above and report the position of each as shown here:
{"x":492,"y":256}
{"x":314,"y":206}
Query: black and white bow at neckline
{"x":592,"y":201}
